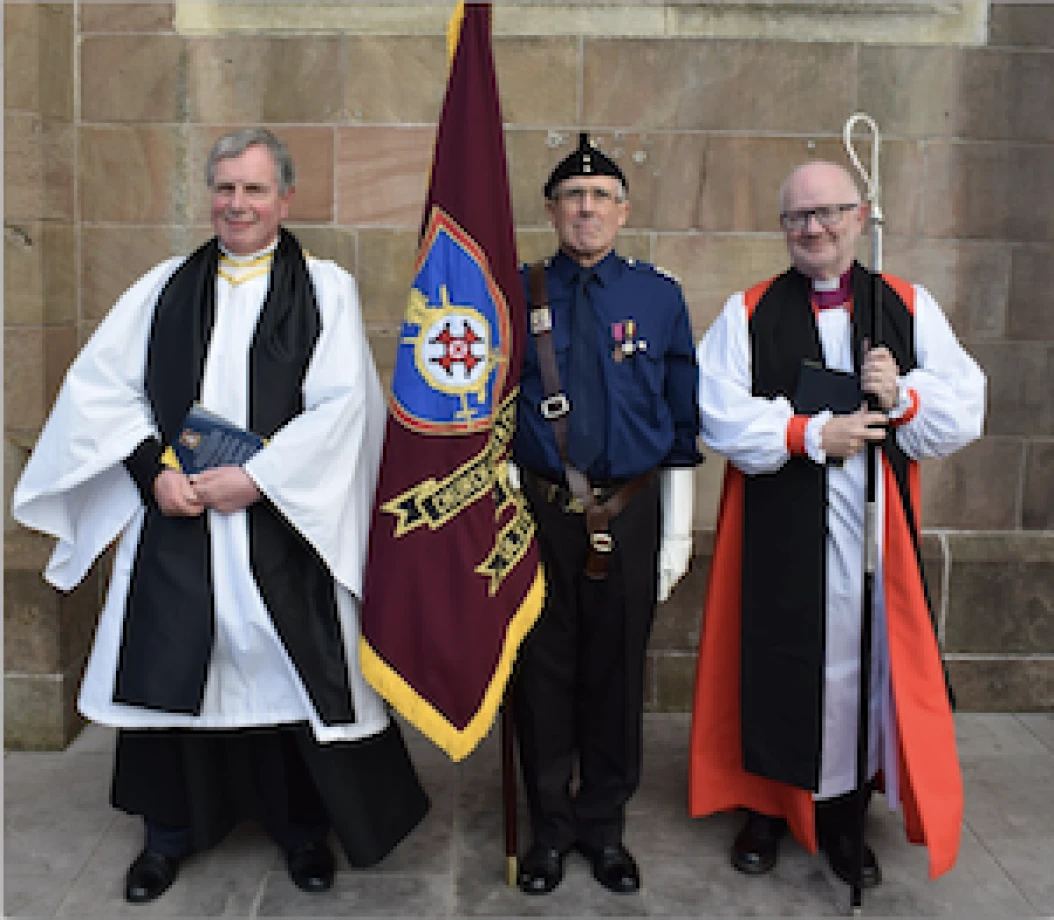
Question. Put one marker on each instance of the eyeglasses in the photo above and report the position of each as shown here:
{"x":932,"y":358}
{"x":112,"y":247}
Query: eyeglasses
{"x":828,"y":216}
{"x":578,"y":194}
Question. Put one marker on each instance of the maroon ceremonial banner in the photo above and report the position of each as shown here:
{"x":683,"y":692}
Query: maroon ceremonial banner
{"x":453,"y":581}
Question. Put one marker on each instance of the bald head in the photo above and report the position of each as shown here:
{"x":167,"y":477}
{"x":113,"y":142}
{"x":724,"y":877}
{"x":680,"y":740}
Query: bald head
{"x":818,"y":178}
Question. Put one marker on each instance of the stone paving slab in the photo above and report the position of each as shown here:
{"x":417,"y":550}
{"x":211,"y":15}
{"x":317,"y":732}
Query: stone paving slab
{"x":66,"y":850}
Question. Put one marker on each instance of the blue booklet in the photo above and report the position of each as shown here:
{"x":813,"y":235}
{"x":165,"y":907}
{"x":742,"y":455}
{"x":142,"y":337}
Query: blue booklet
{"x":208,"y":440}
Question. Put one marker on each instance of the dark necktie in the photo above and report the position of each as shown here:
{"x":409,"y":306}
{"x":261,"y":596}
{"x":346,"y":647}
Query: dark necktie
{"x":585,"y":426}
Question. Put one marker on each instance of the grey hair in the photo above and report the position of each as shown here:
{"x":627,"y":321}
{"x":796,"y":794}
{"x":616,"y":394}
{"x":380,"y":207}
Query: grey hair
{"x":237,"y":142}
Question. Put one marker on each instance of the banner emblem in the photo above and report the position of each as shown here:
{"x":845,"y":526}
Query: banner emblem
{"x":453,"y":347}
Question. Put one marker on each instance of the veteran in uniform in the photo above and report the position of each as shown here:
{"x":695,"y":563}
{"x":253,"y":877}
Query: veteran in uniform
{"x":226,"y":655}
{"x":605,"y":445}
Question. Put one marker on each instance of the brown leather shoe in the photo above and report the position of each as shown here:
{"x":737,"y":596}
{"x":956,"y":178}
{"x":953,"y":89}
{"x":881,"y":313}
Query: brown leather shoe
{"x":757,"y":846}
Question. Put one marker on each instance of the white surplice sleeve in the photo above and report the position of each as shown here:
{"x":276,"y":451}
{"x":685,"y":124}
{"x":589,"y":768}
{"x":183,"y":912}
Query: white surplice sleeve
{"x":949,"y":387}
{"x":751,"y":431}
{"x":320,"y":469}
{"x":74,"y":486}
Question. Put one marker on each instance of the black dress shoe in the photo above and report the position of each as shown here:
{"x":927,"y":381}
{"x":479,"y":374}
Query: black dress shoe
{"x":541,"y":870}
{"x":757,"y":846}
{"x":614,"y":867}
{"x":149,"y":876}
{"x":841,"y":850}
{"x":311,"y":866}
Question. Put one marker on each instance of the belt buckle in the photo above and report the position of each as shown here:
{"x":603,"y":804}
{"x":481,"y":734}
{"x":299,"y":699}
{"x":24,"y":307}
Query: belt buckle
{"x":554,"y":407}
{"x":602,"y":541}
{"x":556,"y":494}
{"x":541,"y":320}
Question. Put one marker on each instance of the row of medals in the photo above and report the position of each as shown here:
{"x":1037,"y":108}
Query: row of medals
{"x":626,"y":346}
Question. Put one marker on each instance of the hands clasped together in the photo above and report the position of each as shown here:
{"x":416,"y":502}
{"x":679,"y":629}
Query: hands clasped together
{"x":845,"y":435}
{"x":225,"y":489}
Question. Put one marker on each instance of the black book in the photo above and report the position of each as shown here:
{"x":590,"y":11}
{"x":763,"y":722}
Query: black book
{"x":821,"y":388}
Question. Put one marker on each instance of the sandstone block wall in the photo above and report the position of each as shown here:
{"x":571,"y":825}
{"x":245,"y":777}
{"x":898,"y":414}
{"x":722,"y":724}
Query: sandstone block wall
{"x":110,"y":110}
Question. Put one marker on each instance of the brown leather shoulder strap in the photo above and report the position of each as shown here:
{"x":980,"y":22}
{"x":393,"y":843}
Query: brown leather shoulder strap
{"x":542,"y":330}
{"x":539,"y":290}
{"x":597,"y":516}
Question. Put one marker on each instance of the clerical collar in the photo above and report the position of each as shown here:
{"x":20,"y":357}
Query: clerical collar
{"x":266,"y":252}
{"x":832,"y":292}
{"x":237,"y":269}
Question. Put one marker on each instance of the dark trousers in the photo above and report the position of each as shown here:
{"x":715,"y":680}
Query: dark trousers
{"x":579,"y":685}
{"x":839,"y":816}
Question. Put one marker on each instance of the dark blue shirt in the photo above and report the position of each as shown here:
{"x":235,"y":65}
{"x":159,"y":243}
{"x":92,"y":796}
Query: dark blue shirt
{"x":651,"y":412}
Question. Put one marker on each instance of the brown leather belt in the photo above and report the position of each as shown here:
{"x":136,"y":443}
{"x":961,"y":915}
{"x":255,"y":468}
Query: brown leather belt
{"x":556,"y":493}
{"x":555,"y":408}
{"x":608,"y":502}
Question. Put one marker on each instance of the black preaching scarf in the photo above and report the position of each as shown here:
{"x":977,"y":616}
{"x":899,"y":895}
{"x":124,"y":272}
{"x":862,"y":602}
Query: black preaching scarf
{"x":785,"y":536}
{"x":169,"y":618}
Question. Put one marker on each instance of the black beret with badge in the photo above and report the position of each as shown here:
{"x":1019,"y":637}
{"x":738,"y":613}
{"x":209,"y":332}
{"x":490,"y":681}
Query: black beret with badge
{"x":586,"y":160}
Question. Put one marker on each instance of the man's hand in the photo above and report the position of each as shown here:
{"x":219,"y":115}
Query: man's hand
{"x":175,"y":495}
{"x":879,"y":376}
{"x":845,"y":435}
{"x":225,"y":489}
